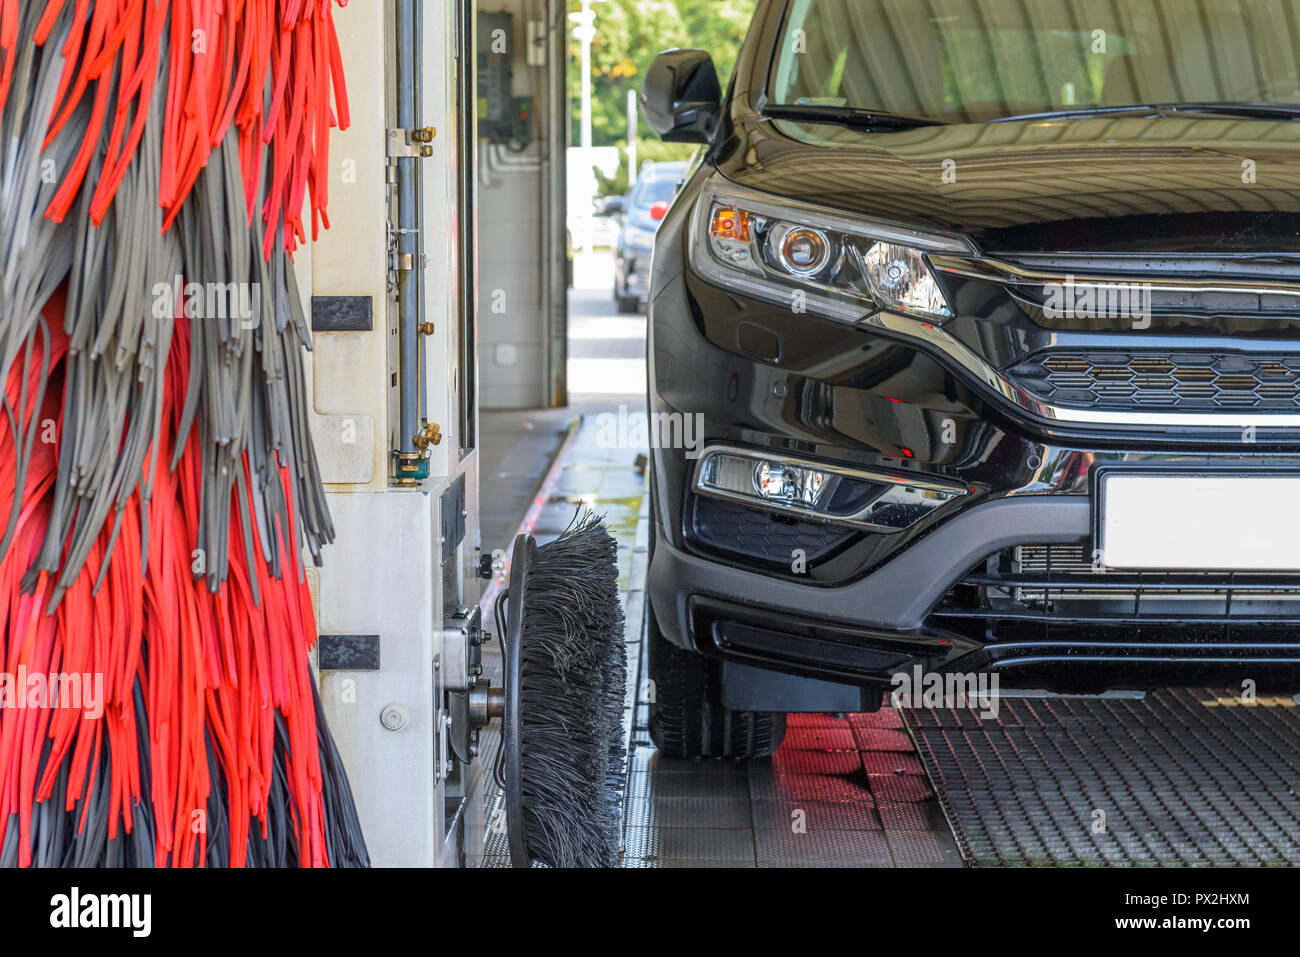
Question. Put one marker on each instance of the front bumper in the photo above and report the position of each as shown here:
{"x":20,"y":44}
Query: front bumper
{"x":897,"y":597}
{"x":882,"y":615}
{"x":869,"y":606}
{"x":893,"y":620}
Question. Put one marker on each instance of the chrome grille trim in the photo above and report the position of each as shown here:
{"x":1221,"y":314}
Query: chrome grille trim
{"x":976,"y":368}
{"x":1011,"y":274}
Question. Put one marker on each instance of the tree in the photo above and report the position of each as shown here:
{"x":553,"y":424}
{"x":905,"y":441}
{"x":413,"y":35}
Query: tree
{"x":629,"y":33}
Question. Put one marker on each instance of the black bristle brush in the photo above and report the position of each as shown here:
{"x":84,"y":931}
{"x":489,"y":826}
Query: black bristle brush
{"x":565,"y":750}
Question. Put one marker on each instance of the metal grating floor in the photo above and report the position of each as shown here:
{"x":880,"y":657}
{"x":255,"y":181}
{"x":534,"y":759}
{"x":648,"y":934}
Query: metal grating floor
{"x":841,"y":791}
{"x":1182,"y":777}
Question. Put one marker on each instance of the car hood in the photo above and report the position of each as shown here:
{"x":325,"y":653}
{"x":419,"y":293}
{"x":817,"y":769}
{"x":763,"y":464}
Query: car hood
{"x":1116,"y":185}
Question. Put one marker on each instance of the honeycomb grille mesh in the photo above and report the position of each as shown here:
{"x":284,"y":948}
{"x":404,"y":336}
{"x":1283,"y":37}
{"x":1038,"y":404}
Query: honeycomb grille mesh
{"x":1168,"y":379}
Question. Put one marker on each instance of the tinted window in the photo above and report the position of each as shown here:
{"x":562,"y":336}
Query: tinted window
{"x":973,"y":60}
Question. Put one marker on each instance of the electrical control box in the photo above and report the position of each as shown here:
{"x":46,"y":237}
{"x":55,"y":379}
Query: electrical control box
{"x":496,"y":110}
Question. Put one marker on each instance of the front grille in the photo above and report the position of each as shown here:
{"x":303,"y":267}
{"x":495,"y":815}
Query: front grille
{"x":1185,"y":381}
{"x":1046,"y":619}
{"x":1055,"y":589}
{"x":1169,"y":286}
{"x":1046,"y":579}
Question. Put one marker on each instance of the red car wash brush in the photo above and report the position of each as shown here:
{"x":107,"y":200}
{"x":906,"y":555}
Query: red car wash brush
{"x":157,"y":477}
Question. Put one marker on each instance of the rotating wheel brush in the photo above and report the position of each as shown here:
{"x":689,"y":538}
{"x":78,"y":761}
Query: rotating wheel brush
{"x":563,"y":757}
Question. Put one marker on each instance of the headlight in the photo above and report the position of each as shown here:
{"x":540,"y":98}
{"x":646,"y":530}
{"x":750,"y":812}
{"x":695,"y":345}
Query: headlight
{"x":899,"y":277}
{"x":840,"y":267}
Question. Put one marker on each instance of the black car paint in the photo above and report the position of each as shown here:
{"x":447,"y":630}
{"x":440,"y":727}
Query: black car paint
{"x":1093,"y":184}
{"x":766,"y":378}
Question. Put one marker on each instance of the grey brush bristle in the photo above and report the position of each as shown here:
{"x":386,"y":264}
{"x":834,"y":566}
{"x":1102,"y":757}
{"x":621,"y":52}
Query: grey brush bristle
{"x":573,"y":679}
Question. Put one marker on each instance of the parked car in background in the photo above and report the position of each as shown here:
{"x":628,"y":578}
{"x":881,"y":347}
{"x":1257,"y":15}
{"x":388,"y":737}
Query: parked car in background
{"x":988,"y":327}
{"x":642,"y":209}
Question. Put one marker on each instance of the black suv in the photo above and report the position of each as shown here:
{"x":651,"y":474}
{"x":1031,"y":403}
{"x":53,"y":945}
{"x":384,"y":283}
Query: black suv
{"x":989,"y":316}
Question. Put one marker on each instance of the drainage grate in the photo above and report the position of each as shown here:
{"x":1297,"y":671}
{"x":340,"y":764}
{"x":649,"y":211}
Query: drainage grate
{"x":1183,"y":777}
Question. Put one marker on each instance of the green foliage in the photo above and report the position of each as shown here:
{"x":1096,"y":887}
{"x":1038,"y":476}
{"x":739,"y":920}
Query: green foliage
{"x":628,"y":35}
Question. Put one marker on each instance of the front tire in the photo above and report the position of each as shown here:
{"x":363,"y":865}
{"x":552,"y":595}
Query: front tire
{"x":687,"y":719}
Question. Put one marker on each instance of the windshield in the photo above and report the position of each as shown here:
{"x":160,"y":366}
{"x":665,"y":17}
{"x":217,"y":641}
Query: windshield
{"x":978,"y":60}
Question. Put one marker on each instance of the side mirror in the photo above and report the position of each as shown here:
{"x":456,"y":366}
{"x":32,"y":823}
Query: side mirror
{"x":681,"y":97}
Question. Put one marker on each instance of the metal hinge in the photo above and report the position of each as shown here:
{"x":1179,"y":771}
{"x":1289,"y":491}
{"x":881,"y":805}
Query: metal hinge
{"x":403,"y":262}
{"x":412,"y":143}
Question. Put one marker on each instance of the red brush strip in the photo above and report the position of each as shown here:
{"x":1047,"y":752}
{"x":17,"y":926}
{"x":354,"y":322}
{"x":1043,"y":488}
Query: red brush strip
{"x":219,"y":665}
{"x":222,"y":59}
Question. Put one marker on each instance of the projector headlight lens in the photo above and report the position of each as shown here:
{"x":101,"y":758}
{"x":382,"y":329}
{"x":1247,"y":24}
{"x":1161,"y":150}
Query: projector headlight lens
{"x":801,"y":251}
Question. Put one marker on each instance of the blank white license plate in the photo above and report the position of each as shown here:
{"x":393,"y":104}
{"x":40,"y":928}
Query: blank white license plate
{"x":1207,"y":521}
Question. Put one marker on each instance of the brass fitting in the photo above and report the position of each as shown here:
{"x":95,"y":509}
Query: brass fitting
{"x":428,"y":436}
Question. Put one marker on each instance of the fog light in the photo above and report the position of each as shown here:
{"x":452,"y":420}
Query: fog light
{"x":823,"y":492}
{"x":789,"y":484}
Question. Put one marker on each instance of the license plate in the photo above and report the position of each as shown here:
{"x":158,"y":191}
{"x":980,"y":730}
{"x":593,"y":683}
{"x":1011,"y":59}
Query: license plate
{"x":1199,"y":521}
